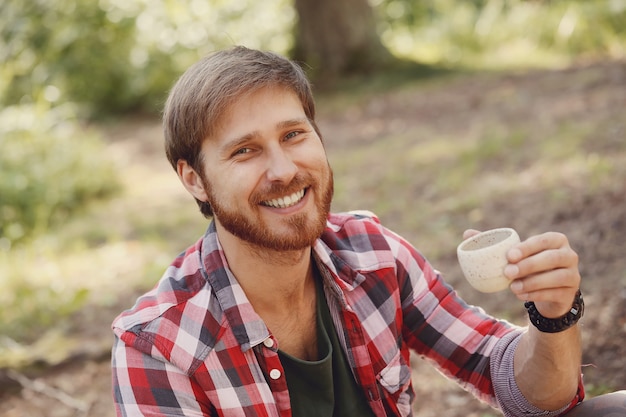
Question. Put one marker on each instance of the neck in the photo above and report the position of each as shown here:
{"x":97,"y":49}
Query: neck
{"x":274,"y":281}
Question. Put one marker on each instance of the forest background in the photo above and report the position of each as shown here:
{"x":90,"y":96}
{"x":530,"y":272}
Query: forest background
{"x":488,"y":112}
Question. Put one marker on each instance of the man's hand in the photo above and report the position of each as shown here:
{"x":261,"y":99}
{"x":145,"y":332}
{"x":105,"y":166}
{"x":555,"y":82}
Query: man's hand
{"x":543,"y":269}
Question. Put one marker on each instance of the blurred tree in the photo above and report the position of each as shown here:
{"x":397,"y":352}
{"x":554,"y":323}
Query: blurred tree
{"x":337,"y":38}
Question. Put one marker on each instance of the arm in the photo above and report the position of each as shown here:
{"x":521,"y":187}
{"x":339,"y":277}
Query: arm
{"x":547,"y":367}
{"x":544,"y":269}
{"x":459,"y":339}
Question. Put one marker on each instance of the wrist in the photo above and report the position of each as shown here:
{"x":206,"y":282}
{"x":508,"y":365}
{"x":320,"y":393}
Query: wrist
{"x":558,"y":324}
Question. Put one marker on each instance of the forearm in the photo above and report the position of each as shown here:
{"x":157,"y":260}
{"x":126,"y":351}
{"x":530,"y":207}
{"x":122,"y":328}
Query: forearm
{"x":547,"y":367}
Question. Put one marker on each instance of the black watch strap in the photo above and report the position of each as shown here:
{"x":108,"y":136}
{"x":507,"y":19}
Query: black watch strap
{"x":558,"y":324}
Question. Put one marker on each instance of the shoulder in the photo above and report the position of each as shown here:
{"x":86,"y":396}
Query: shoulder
{"x":176,"y":306}
{"x":359,"y":239}
{"x":181,"y":281}
{"x":352,"y":226}
{"x":338,"y":221}
{"x":361,"y":231}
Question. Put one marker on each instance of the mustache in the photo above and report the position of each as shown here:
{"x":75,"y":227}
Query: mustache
{"x":277,"y":190}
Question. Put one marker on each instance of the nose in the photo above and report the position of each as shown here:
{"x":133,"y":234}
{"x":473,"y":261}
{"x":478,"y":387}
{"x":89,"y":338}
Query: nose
{"x":280,"y":166}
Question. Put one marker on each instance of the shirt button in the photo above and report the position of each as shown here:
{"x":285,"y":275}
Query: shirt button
{"x":275,"y":374}
{"x":269,"y":342}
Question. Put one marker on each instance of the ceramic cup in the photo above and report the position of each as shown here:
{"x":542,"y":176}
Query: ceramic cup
{"x":483,"y":257}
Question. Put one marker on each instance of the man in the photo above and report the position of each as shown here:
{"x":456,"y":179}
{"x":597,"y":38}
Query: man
{"x":283,"y":308}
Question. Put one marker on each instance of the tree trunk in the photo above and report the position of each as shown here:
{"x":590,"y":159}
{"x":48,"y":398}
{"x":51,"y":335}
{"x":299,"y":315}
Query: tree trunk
{"x":337,"y":38}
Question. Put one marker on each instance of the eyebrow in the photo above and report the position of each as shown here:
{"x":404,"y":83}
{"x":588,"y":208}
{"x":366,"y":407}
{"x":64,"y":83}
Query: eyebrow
{"x":236,"y":142}
{"x":292,"y":122}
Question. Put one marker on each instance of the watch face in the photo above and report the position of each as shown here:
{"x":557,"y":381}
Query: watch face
{"x":579,"y":305}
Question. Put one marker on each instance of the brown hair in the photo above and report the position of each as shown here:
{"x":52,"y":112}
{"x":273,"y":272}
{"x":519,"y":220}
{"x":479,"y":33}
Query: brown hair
{"x":205,"y":91}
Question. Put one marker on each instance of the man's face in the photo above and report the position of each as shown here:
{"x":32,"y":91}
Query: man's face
{"x":266,"y":174}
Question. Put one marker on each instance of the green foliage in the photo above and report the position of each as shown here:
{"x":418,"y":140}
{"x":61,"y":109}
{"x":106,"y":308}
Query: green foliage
{"x":113,"y":56}
{"x":50,"y":170}
{"x":65,"y":50}
{"x":500,"y":33}
{"x":29,"y":308}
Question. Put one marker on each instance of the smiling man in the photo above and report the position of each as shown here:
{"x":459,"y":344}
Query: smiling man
{"x":283,"y":308}
{"x":272,"y":185}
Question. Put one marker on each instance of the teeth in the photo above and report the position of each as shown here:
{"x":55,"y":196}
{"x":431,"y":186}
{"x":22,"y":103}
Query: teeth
{"x":286,"y":201}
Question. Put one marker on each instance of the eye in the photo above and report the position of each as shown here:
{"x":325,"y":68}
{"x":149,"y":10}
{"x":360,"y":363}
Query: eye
{"x":241,"y":151}
{"x":292,"y":135}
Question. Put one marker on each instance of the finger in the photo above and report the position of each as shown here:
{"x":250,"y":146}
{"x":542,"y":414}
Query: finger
{"x":469,"y":233}
{"x":552,"y":303}
{"x":536,"y":244}
{"x":562,"y":278}
{"x":558,"y":296}
{"x":546,"y":260}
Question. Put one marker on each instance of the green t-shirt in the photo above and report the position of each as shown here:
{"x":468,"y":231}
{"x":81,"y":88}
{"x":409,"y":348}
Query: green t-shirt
{"x":325,"y":387}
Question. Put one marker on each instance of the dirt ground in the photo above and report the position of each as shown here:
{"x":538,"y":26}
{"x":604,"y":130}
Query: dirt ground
{"x":596,"y":225}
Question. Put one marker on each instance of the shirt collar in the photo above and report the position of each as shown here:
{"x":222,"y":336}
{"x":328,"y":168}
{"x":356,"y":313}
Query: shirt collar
{"x":248,"y":327}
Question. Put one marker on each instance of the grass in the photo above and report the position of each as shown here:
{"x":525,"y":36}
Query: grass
{"x":442,"y":177}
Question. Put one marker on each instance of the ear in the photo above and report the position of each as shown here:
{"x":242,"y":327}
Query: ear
{"x":191,"y":180}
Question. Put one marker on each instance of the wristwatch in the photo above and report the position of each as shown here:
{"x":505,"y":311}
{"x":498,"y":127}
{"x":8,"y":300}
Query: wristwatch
{"x":558,"y":324}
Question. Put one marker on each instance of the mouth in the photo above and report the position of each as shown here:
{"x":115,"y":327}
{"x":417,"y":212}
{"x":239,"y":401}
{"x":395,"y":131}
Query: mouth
{"x":286,"y":201}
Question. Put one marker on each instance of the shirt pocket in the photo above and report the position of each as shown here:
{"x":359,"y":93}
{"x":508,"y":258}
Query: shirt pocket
{"x":396,"y":375}
{"x":395,"y":379}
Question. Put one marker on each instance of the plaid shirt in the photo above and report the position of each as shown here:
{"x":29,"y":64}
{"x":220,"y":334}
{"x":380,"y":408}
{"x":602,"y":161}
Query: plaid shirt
{"x":194,"y":345}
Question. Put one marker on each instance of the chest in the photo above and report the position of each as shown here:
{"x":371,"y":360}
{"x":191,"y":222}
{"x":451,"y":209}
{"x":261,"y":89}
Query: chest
{"x":296,"y":333}
{"x":258,"y":376}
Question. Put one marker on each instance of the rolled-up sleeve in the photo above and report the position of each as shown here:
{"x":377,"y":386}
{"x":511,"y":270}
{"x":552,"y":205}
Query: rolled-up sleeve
{"x":510,"y":399}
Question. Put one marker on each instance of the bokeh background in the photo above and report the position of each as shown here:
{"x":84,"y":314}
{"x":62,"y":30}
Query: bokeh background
{"x":437,"y":115}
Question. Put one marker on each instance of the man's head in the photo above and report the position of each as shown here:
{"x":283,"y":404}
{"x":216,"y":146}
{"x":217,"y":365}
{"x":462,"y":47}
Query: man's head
{"x":200,"y":98}
{"x":240,"y":132}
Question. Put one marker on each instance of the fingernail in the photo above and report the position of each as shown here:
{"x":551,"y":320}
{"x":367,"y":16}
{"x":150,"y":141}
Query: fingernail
{"x":511,"y":271}
{"x":516,"y":286}
{"x":515,"y":254}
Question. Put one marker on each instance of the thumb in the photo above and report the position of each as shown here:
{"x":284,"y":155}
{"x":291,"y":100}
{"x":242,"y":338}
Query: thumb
{"x":469,"y":233}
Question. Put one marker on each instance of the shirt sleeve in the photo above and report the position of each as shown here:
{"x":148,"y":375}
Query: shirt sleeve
{"x":146,"y":386}
{"x":511,"y":400}
{"x":457,"y":338}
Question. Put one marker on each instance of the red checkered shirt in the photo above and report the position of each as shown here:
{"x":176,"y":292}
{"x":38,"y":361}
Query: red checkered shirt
{"x":194,"y":346}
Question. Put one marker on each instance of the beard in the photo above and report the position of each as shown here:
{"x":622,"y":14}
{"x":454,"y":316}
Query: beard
{"x":297,"y":231}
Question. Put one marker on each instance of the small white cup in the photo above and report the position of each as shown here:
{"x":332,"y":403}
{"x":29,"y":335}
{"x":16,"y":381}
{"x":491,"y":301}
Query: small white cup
{"x":483,"y":258}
